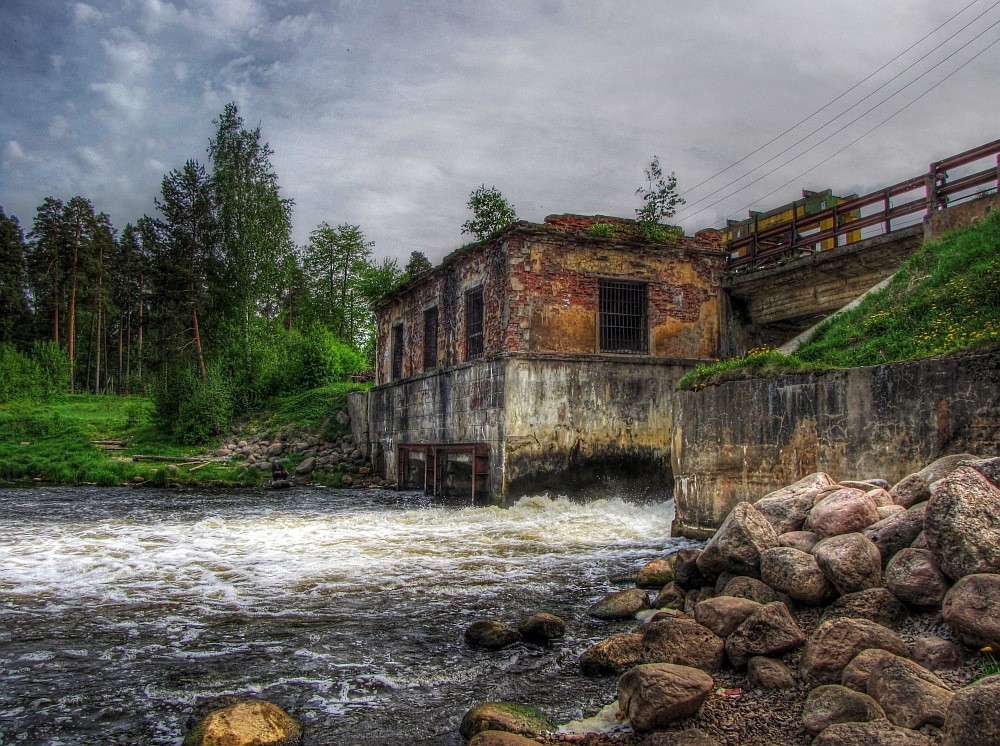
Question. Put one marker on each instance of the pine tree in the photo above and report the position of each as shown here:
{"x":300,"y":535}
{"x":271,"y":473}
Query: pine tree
{"x":15,"y":318}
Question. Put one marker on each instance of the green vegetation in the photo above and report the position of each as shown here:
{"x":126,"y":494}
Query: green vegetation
{"x":660,"y":201}
{"x":491,"y":212}
{"x":944,"y":299}
{"x":988,"y":666}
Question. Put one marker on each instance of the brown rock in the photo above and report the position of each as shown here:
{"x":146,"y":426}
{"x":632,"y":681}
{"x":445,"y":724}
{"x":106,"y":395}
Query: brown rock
{"x":835,"y":643}
{"x":737,"y":545}
{"x":770,"y":630}
{"x":500,"y":738}
{"x":250,"y":723}
{"x":973,"y":716}
{"x":833,"y":703}
{"x":510,"y":717}
{"x":875,"y":604}
{"x":671,"y":597}
{"x":786,"y":513}
{"x":875,"y":733}
{"x":686,"y":572}
{"x":911,"y":490}
{"x":684,"y":642}
{"x":796,"y":574}
{"x":491,"y":634}
{"x":743,"y":586}
{"x":768,"y":673}
{"x":881,"y":497}
{"x":920,"y":542}
{"x":937,"y":654}
{"x":911,"y":695}
{"x":896,"y":532}
{"x":914,"y":578}
{"x":850,"y":562}
{"x":655,"y":574}
{"x":654,"y":695}
{"x":691,"y":598}
{"x":542,"y":627}
{"x":961,"y":524}
{"x":971,"y":609}
{"x":723,"y":614}
{"x":613,"y":654}
{"x":856,"y":673}
{"x":844,"y":511}
{"x":802,"y":540}
{"x":621,"y":605}
{"x":988,"y":467}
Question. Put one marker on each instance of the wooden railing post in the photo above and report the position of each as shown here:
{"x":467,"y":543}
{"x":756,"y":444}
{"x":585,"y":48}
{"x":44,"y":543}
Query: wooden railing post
{"x":886,"y":207}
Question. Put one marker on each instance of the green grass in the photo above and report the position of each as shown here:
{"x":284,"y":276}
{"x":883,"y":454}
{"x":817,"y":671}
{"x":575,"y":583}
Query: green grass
{"x":316,"y":408}
{"x":944,"y":299}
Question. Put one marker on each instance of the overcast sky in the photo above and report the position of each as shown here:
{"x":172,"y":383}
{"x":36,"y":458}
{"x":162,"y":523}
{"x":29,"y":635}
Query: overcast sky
{"x":388,"y":114}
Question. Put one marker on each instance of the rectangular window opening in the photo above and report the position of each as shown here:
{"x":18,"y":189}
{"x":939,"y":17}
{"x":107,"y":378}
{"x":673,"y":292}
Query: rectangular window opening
{"x":397,"y":352}
{"x":624,"y":316}
{"x":475,"y":331}
{"x":430,"y":338}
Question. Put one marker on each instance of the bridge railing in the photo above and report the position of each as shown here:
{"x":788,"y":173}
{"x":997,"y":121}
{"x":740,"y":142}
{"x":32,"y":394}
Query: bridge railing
{"x":802,"y":235}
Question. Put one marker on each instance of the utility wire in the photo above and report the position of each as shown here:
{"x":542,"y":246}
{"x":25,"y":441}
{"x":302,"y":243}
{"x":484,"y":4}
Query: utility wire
{"x":839,"y":129}
{"x":830,"y":103}
{"x":865,"y":134}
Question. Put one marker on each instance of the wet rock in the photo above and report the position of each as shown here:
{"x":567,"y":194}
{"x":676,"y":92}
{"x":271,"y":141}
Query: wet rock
{"x":686,"y":572}
{"x":971,"y":609}
{"x":612,"y":654}
{"x":875,"y":733}
{"x":974,"y":714}
{"x":796,"y":574}
{"x":654,"y":695}
{"x":671,"y":597}
{"x":856,"y":673}
{"x":833,"y":703}
{"x":655,"y":574}
{"x":511,"y":717}
{"x":875,"y":604}
{"x":723,"y":614}
{"x":684,"y":642}
{"x":937,"y":654}
{"x":896,"y":532}
{"x":491,"y":634}
{"x":844,"y":511}
{"x":249,"y":723}
{"x":801,"y":540}
{"x":768,"y":673}
{"x":911,"y":695}
{"x":743,"y":586}
{"x":500,"y":738}
{"x":835,"y":643}
{"x":621,"y":605}
{"x":915,"y":579}
{"x":542,"y":627}
{"x":737,"y":545}
{"x":850,"y":562}
{"x":770,"y":630}
{"x":961,"y":526}
{"x":911,"y":490}
{"x":689,"y":737}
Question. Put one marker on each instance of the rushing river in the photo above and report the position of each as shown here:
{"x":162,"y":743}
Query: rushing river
{"x":121,"y":610}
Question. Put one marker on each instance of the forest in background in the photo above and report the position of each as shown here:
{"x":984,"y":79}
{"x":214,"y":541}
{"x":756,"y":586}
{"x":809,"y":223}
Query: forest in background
{"x":206,"y":306}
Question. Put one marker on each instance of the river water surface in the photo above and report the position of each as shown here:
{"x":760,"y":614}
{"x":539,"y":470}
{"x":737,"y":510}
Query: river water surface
{"x":121,"y":610}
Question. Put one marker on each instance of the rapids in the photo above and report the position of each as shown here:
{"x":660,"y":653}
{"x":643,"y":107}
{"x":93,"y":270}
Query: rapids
{"x":122,"y":609}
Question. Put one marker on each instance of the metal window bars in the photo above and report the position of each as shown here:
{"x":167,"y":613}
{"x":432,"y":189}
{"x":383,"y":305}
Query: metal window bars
{"x":397,"y":352}
{"x":624,"y":316}
{"x":475,"y":330}
{"x":430,"y":338}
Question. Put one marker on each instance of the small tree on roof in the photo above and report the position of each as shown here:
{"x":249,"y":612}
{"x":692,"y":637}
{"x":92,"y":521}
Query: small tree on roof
{"x":660,"y":201}
{"x":491,"y":212}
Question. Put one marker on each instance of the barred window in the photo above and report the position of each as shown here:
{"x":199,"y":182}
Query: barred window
{"x":430,"y":338}
{"x":397,"y":351}
{"x":474,"y":326}
{"x":624,"y":316}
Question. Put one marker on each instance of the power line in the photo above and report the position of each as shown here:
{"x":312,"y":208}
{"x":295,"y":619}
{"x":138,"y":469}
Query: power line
{"x":838,"y":130}
{"x":835,"y":100}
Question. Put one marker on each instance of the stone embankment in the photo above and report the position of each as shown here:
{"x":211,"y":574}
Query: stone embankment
{"x":824,"y":612}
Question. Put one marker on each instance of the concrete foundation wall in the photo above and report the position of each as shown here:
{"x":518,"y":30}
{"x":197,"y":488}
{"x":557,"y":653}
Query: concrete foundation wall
{"x":741,"y":440}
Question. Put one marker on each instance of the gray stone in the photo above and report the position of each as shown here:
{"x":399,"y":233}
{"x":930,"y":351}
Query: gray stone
{"x":654,"y":695}
{"x":875,"y":604}
{"x":768,"y":673}
{"x":723,"y":614}
{"x":915,"y":579}
{"x":988,"y":467}
{"x":971,"y":609}
{"x":671,"y":597}
{"x":911,"y":695}
{"x":961,"y":524}
{"x":306,"y":467}
{"x":937,"y":653}
{"x":856,"y":672}
{"x":612,"y":654}
{"x":896,"y":532}
{"x":655,"y":574}
{"x":491,"y":634}
{"x":844,"y":511}
{"x":850,"y":562}
{"x":770,"y":630}
{"x":802,"y":540}
{"x":833,"y":703}
{"x":786,"y":513}
{"x":875,"y":733}
{"x":737,"y":545}
{"x":686,"y":572}
{"x":621,"y":605}
{"x":835,"y":643}
{"x":796,"y":574}
{"x":973,"y":716}
{"x":911,"y":490}
{"x":510,"y":717}
{"x":743,"y":586}
{"x":542,"y":627}
{"x":684,"y":642}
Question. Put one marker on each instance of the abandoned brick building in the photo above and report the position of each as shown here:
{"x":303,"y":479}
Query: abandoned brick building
{"x":543,"y":357}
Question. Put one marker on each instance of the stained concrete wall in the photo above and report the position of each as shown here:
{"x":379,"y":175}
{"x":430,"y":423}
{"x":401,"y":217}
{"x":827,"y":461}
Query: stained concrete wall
{"x":740,"y":440}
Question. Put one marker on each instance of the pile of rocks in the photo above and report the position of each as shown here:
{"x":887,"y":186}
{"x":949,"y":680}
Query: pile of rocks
{"x":847,"y":613}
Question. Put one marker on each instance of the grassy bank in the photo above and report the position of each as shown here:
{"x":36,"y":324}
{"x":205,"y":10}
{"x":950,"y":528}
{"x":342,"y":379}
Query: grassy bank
{"x":944,"y":299}
{"x":53,"y":440}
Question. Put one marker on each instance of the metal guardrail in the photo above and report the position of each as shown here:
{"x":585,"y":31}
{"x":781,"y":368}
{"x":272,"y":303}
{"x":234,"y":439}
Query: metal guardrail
{"x":804,"y":235}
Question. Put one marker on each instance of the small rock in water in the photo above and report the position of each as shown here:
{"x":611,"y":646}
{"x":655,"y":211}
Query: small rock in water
{"x":655,"y":574}
{"x":491,"y":634}
{"x":620,"y":605}
{"x":511,"y":717}
{"x":250,"y":723}
{"x":542,"y":627}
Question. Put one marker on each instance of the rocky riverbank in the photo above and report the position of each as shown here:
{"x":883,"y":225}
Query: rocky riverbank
{"x":825,"y":612}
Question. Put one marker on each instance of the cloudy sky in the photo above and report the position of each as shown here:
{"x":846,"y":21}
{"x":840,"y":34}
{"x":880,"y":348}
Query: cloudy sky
{"x":388,"y":114}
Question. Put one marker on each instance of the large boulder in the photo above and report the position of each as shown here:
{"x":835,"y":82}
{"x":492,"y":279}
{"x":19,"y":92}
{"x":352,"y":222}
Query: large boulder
{"x":897,"y":531}
{"x":835,"y":643}
{"x":686,"y":572}
{"x":911,"y":490}
{"x":684,"y":642}
{"x":796,"y":574}
{"x":911,"y":695}
{"x":850,"y":562}
{"x":988,"y":467}
{"x":655,"y":574}
{"x":875,"y":733}
{"x":974,"y":714}
{"x":737,"y":545}
{"x":971,"y":609}
{"x":654,"y":695}
{"x":511,"y":717}
{"x":613,"y":654}
{"x":770,"y":630}
{"x":961,"y":525}
{"x":786,"y":513}
{"x":944,"y":466}
{"x":858,"y":671}
{"x":249,"y":723}
{"x":542,"y":627}
{"x":743,"y":586}
{"x":833,"y":703}
{"x":804,"y":540}
{"x":843,"y":511}
{"x":768,"y":673}
{"x":491,"y":634}
{"x":875,"y":604}
{"x":620,"y":605}
{"x":670,"y":597}
{"x":723,"y":614}
{"x":914,"y":578}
